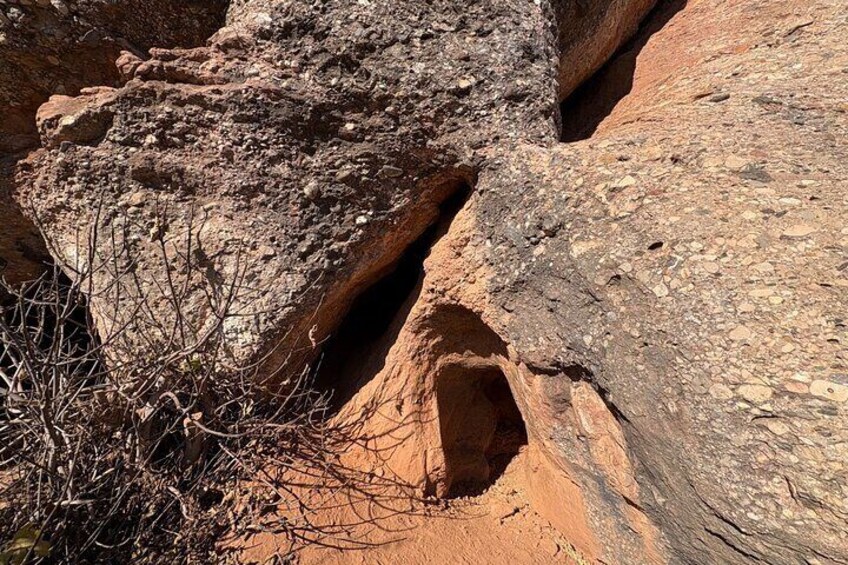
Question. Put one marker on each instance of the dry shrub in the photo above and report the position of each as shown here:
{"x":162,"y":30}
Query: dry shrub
{"x":126,"y":447}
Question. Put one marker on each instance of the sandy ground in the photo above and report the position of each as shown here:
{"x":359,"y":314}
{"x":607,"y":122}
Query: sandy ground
{"x":496,"y":527}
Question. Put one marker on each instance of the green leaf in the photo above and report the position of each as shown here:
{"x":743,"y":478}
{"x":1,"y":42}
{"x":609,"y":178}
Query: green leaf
{"x":27,"y":539}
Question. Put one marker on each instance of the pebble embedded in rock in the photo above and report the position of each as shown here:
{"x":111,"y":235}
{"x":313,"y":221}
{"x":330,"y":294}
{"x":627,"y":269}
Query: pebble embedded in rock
{"x":136,"y":199}
{"x":777,"y":427}
{"x":740,"y":333}
{"x":721,"y":392}
{"x":829,"y":390}
{"x":60,"y":7}
{"x":746,"y":308}
{"x":391,"y":172}
{"x":625,"y":182}
{"x":734,"y":162}
{"x":660,"y":290}
{"x":796,"y":387}
{"x":266,"y":251}
{"x":711,"y":267}
{"x":799,"y":231}
{"x":464,"y":85}
{"x":755,"y":394}
{"x":312,"y":190}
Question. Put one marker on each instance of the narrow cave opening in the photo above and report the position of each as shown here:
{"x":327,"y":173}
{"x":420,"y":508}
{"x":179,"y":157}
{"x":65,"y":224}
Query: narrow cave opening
{"x":357,"y":349}
{"x":482,"y":429}
{"x":583,"y":111}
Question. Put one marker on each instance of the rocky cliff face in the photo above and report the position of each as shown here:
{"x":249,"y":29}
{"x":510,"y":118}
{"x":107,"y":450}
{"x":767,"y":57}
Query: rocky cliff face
{"x":641,"y":286}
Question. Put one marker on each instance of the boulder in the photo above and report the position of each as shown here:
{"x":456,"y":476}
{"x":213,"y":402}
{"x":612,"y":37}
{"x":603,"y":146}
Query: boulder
{"x":317,"y":140}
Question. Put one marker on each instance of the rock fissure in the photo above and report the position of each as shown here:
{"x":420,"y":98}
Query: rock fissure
{"x":595,"y":99}
{"x":356,"y":348}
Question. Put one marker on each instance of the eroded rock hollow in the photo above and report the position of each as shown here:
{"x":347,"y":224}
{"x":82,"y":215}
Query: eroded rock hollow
{"x":610,"y":236}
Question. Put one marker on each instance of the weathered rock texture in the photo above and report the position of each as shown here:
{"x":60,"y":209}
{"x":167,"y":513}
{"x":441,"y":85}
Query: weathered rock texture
{"x":662,"y":298}
{"x":57,"y":47}
{"x":320,"y":137}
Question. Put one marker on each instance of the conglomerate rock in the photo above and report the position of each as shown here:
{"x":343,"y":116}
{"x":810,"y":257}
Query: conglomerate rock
{"x":696,"y":268}
{"x":318,"y":139}
{"x":664,"y":297}
{"x":57,"y":47}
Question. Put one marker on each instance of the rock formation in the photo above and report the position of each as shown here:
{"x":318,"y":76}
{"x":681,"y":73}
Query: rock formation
{"x":58,"y":47}
{"x":641,"y":287}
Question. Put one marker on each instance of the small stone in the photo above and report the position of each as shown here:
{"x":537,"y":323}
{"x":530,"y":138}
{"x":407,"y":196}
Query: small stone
{"x":391,"y":172}
{"x":735,"y":163}
{"x":746,"y":308}
{"x":761,"y":292}
{"x":263,"y":19}
{"x":828,"y":390}
{"x":136,"y":199}
{"x":361,"y":220}
{"x":777,"y":427}
{"x":764,"y":267}
{"x":68,"y":121}
{"x":711,"y":267}
{"x":755,"y":394}
{"x":266,"y":251}
{"x":721,"y":392}
{"x":719,"y":97}
{"x":464,"y":84}
{"x":796,"y":387}
{"x":799,"y":231}
{"x":653,"y":153}
{"x":60,"y":7}
{"x":312,"y":190}
{"x":740,"y":333}
{"x":660,"y":290}
{"x":625,"y":182}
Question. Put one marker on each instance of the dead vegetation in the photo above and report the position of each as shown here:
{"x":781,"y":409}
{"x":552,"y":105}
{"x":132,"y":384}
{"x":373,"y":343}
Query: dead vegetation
{"x":113,"y":456}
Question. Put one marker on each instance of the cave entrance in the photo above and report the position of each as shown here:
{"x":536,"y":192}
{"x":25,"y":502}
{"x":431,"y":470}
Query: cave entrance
{"x":357,"y":350}
{"x":481,"y":427}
